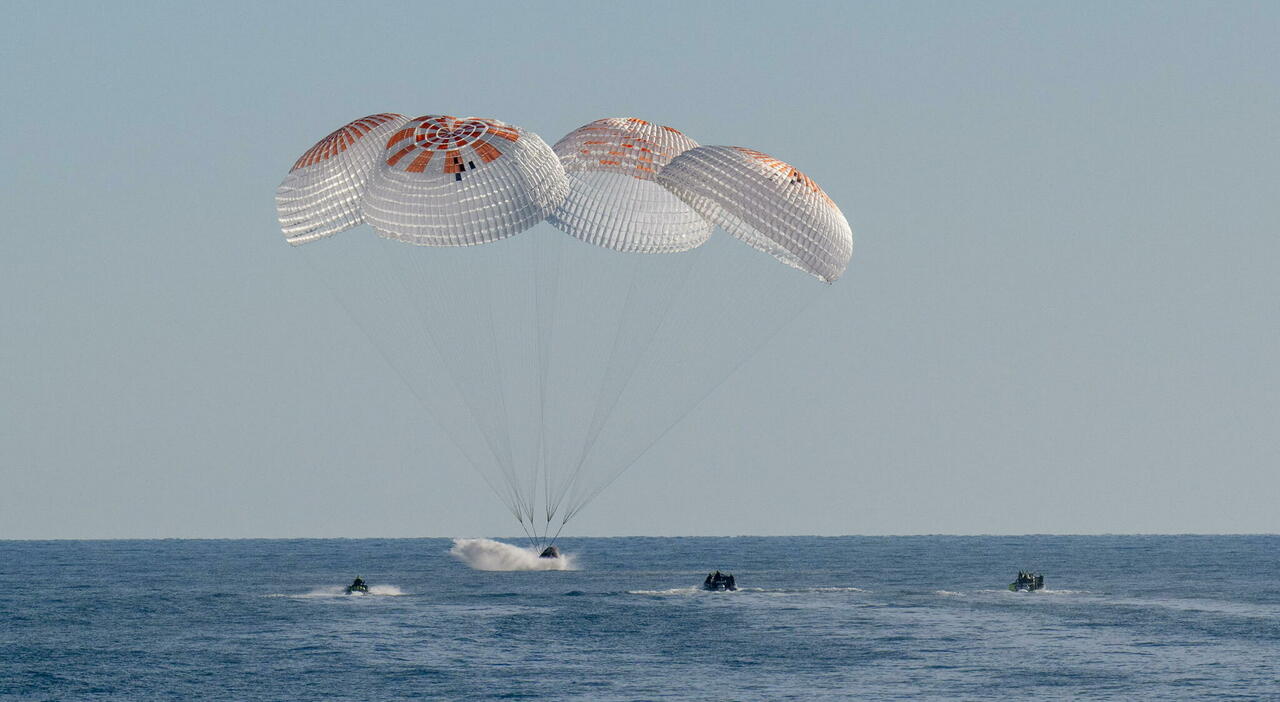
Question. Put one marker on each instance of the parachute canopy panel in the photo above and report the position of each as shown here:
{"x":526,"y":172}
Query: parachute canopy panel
{"x":766,"y":203}
{"x":614,"y":199}
{"x":321,"y":194}
{"x":444,"y":181}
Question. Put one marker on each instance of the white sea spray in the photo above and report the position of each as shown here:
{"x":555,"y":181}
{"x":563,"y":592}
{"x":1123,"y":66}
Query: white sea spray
{"x":487,"y":554}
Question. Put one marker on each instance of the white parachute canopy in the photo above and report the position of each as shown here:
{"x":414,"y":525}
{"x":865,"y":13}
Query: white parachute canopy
{"x":553,"y":362}
{"x":444,"y":181}
{"x":614,"y":198}
{"x":322,"y":193}
{"x":766,"y":203}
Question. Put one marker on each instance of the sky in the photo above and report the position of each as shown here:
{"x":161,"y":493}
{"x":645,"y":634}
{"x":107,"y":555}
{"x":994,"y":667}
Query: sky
{"x":1062,"y":314}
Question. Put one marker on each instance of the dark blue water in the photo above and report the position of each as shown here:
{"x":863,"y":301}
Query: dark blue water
{"x":1123,"y":617}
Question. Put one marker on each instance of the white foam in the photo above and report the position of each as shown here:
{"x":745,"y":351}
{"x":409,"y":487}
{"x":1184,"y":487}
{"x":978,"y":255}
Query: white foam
{"x":487,"y":554}
{"x":800,"y":590}
{"x":672,"y":591}
{"x":339,"y":591}
{"x":766,"y":590}
{"x":1042,"y":592}
{"x":1001,"y":592}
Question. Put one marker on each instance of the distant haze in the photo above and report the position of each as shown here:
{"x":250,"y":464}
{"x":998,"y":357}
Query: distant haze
{"x":1062,"y":313}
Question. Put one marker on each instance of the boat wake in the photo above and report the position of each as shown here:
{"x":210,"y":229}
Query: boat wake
{"x":671,"y":591}
{"x":765,"y":590}
{"x":1006,"y":592}
{"x":340,"y":591}
{"x":487,"y":554}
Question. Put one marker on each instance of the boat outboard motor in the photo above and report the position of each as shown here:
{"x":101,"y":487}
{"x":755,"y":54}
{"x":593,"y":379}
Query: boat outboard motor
{"x":550,"y":552}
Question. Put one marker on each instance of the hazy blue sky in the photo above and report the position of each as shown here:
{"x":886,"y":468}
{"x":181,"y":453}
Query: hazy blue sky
{"x":1062,"y":314}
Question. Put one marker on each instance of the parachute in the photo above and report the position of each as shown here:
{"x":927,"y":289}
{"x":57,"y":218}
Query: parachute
{"x":766,"y":203}
{"x":321,"y":195}
{"x":554,"y":362}
{"x":614,"y":198}
{"x":451,"y":182}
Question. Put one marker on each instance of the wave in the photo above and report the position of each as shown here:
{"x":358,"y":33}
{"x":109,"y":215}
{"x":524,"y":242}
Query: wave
{"x":487,"y":554}
{"x":1206,"y":606}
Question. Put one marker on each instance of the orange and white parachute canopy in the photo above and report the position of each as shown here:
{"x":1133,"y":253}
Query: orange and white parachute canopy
{"x":434,"y":180}
{"x":766,"y":203}
{"x":614,"y":198}
{"x":321,"y":195}
{"x":444,"y":181}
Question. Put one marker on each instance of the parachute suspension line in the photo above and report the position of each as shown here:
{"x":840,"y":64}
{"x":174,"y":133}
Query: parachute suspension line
{"x":646,"y":342}
{"x":528,"y":536}
{"x":604,"y":382}
{"x":564,"y":521}
{"x":523,"y":528}
{"x":488,"y":283}
{"x":448,"y":295}
{"x":677,"y":327}
{"x":544,"y":306}
{"x":525,"y":493}
{"x":506,"y":499}
{"x":421,"y":319}
{"x":496,"y":366}
{"x":664,"y":279}
{"x":424,"y":319}
{"x":751,"y":353}
{"x":545,"y":298}
{"x":684,"y":267}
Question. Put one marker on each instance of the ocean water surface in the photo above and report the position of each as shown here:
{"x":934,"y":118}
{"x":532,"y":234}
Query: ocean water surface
{"x":1122,"y":617}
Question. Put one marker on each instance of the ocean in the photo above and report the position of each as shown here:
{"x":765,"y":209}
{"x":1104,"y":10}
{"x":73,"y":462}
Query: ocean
{"x":816,"y":618}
